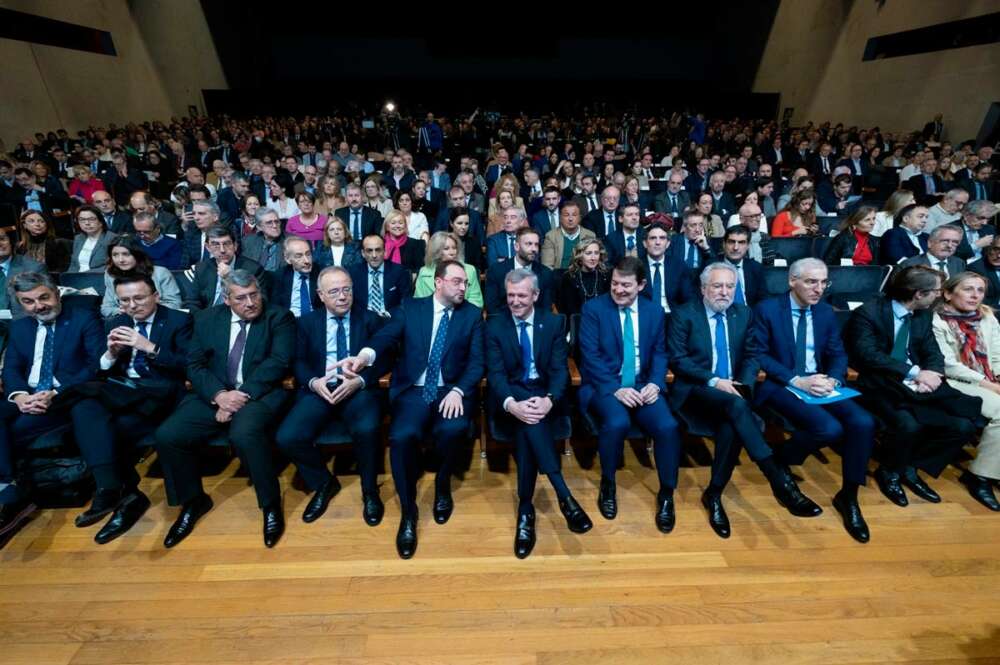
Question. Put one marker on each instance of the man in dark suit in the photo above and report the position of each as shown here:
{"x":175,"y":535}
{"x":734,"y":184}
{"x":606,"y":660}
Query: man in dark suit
{"x":587,"y":200}
{"x":294,"y":286}
{"x":855,"y":161}
{"x":820,"y":164}
{"x":674,"y":200}
{"x":927,"y":186}
{"x":723,"y":203}
{"x":775,"y":154}
{"x":750,"y":287}
{"x":473,"y":199}
{"x":989,"y":267}
{"x":11,"y":265}
{"x":264,"y":245}
{"x":116,"y":221}
{"x":362,"y":221}
{"x":528,"y":376}
{"x":604,"y":221}
{"x":977,"y":233}
{"x":906,"y":240}
{"x":526,"y":249}
{"x":940,"y":255}
{"x":144,"y":369}
{"x":669,"y":283}
{"x":240,"y":353}
{"x":833,"y":197}
{"x":501,"y":246}
{"x":698,"y":181}
{"x":206,"y":215}
{"x":690,"y":246}
{"x":623,"y":381}
{"x":210,"y":273}
{"x":27,"y":194}
{"x":230,"y":199}
{"x":437,"y":343}
{"x":715,"y":372}
{"x":627,"y":240}
{"x":325,"y":336}
{"x":456,"y":199}
{"x":547,"y":218}
{"x":50,"y":353}
{"x":224,"y":153}
{"x":980,"y":186}
{"x":891,"y":344}
{"x":934,"y":130}
{"x":799,"y":346}
{"x":398,"y":178}
{"x":122,"y":179}
{"x":379,"y":285}
{"x":498,"y":168}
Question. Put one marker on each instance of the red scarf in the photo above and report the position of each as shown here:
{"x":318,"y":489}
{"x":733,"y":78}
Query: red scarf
{"x":862,"y":251}
{"x":393,"y":247}
{"x":965,"y":327}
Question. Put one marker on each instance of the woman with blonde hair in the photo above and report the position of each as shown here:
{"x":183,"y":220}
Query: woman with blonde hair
{"x":884,"y":218}
{"x":443,"y":246}
{"x":84,"y":184}
{"x":507,"y":183}
{"x":337,"y":248}
{"x":968,"y":335}
{"x":586,"y":278}
{"x":328,"y":196}
{"x":374,"y":196}
{"x":400,"y":248}
{"x":504,"y":201}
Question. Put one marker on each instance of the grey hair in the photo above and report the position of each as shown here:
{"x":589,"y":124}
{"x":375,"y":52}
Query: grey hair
{"x":238,"y":277}
{"x":936,"y":233}
{"x":981,"y":207}
{"x":211,"y":205}
{"x":26,"y":281}
{"x":145,"y":217}
{"x":290,"y":239}
{"x":953,"y":194}
{"x":521,"y":213}
{"x":258,"y":217}
{"x":809,"y":263}
{"x":333,"y":270}
{"x":518,"y":275}
{"x":718,"y":265}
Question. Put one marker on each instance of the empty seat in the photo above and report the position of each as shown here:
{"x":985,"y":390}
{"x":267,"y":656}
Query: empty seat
{"x":83,"y":280}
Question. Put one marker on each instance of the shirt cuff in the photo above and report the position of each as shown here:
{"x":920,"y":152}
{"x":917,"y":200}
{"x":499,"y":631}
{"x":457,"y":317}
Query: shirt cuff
{"x":107,"y":363}
{"x":458,"y":390}
{"x":368,"y":354}
{"x":912,"y":374}
{"x":506,"y":403}
{"x":713,"y":382}
{"x":10,"y":397}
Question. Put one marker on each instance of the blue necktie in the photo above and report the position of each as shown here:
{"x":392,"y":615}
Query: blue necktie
{"x":510,"y":249}
{"x":630,"y":245}
{"x":305,"y":305}
{"x":801,"y":332}
{"x":45,"y":375}
{"x":692,"y":255}
{"x":611,"y":222}
{"x":740,"y":297}
{"x":657,"y":285}
{"x":356,"y":224}
{"x":525,"y":351}
{"x":434,"y":361}
{"x":930,"y":184}
{"x":341,"y":338}
{"x":721,"y":347}
{"x":628,"y":351}
{"x":139,"y":361}
{"x":980,"y":191}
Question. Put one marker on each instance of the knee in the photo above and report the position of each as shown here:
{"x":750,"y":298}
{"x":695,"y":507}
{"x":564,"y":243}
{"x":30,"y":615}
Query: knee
{"x":614,"y":426}
{"x":452,"y":429}
{"x":166,"y":436}
{"x":828,"y":432}
{"x":289,"y":438}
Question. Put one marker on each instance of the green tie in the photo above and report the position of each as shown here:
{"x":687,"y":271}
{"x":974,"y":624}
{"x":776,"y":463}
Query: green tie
{"x":628,"y":351}
{"x":899,"y":345}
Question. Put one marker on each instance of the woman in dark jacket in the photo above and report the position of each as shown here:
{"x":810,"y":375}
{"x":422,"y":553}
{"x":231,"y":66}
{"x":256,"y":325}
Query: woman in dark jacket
{"x":854,"y":241}
{"x":38,"y":241}
{"x":587,"y":277}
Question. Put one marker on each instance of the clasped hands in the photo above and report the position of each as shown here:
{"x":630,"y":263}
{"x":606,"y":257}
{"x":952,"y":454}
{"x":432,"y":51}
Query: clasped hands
{"x":450,"y":406}
{"x":123,"y":336}
{"x":632,"y":398}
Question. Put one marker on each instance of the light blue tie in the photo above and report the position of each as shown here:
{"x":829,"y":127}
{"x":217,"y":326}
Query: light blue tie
{"x":721,"y":347}
{"x":434,"y":361}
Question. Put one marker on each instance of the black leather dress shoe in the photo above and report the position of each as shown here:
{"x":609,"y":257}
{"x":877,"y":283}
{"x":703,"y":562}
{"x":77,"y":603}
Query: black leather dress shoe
{"x":607,"y":500}
{"x":184,"y":524}
{"x":372,"y":509}
{"x":443,"y":507}
{"x":524,"y":537}
{"x":406,"y":537}
{"x":13,"y":516}
{"x":665,"y":515}
{"x":916,"y":484}
{"x":577,"y":520}
{"x":320,"y":500}
{"x":717,"y":518}
{"x":105,"y":502}
{"x":888,"y":482}
{"x":274,"y":524}
{"x":854,"y":522}
{"x":788,"y":494}
{"x":980,"y":489}
{"x":129,"y":510}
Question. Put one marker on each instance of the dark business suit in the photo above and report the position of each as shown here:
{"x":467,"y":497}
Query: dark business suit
{"x":979,"y":191}
{"x":361,"y":412}
{"x":206,"y":280}
{"x":753,"y":287}
{"x":496,"y":291}
{"x":965,"y":251}
{"x":535,"y":452}
{"x":918,"y":185}
{"x":405,"y":183}
{"x":477,"y":228}
{"x":498,"y":249}
{"x":323,"y":255}
{"x":119,"y":222}
{"x":371,"y":222}
{"x":923,"y":430}
{"x":48,"y":199}
{"x":407,"y":337}
{"x":596,"y":221}
{"x":953,"y":264}
{"x":724,"y":205}
{"x":267,"y":358}
{"x":256,"y":248}
{"x":230,"y":205}
{"x":678,"y":249}
{"x":992,"y":275}
{"x":896,"y":246}
{"x":815,"y":425}
{"x":695,"y":183}
{"x":675,"y":209}
{"x":601,"y":354}
{"x":283,"y":281}
{"x":192,"y":250}
{"x":542,"y":221}
{"x":397,"y":284}
{"x":677,"y":283}
{"x":616,"y":245}
{"x":689,"y":341}
{"x":79,"y":343}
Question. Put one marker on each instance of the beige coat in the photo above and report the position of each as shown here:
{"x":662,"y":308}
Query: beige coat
{"x":552,"y":246}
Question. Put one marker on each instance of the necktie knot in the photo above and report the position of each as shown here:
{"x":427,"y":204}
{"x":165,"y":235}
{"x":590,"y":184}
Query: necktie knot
{"x":719,"y":316}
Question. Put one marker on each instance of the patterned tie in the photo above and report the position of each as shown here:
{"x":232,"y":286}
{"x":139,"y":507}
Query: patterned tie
{"x":657,"y":285}
{"x":801,"y":332}
{"x":45,"y":376}
{"x":341,"y":338}
{"x":305,"y":304}
{"x":630,"y":245}
{"x":218,"y":292}
{"x":673,"y":204}
{"x":139,"y":362}
{"x":434,"y":361}
{"x":236,"y":354}
{"x":628,"y":351}
{"x":902,"y":340}
{"x":375,"y":301}
{"x":721,"y":347}
{"x":525,"y":351}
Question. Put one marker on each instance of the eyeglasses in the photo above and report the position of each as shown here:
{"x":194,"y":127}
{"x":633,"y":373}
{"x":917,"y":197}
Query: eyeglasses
{"x":246,"y":297}
{"x":457,"y":281}
{"x":346,"y":290}
{"x":91,"y":218}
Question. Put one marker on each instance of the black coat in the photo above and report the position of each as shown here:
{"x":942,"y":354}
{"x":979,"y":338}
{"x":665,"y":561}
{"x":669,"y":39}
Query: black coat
{"x":843,"y":245}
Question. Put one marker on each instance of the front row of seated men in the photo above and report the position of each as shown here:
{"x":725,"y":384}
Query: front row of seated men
{"x":236,"y":355}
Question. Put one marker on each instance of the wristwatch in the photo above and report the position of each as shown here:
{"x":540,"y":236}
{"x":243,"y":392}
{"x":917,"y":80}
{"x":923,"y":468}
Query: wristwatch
{"x":151,"y":355}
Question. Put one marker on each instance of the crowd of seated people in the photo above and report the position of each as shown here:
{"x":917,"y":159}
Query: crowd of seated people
{"x":233,"y":255}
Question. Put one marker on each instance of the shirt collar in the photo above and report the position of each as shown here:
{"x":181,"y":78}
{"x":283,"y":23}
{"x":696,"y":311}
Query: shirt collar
{"x":330,"y":316}
{"x":796,"y":306}
{"x":438,"y":307}
{"x":530,"y":320}
{"x":5,"y":264}
{"x":235,"y":319}
{"x":149,"y":321}
{"x":899,"y":310}
{"x":710,"y":313}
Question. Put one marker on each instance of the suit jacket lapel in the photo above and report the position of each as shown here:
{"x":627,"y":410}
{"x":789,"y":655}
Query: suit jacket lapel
{"x":786,"y":326}
{"x":357,"y":331}
{"x":539,"y":335}
{"x":735,"y":320}
{"x":426,"y":322}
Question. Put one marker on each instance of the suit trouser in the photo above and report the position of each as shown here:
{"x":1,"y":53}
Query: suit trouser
{"x":91,"y":429}
{"x":534,"y":449}
{"x":987,"y":462}
{"x":734,"y":427}
{"x":907,"y":442}
{"x":193,"y":424}
{"x":297,"y":436}
{"x":614,"y":421}
{"x":817,"y":426}
{"x":412,"y":420}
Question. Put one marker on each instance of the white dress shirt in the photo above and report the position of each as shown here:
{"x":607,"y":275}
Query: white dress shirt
{"x":532,"y":371}
{"x":36,"y":362}
{"x":108,"y":362}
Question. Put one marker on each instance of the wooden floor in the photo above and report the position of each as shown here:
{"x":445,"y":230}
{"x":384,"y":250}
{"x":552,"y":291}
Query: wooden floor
{"x":784,"y":590}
